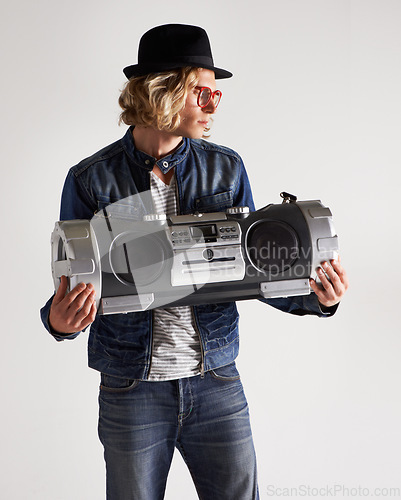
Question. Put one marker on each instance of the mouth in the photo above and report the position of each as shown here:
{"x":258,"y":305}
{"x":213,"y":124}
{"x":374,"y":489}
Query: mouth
{"x":204,"y":123}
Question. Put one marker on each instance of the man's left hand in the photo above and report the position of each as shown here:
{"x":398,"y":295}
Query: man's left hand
{"x":334,"y":283}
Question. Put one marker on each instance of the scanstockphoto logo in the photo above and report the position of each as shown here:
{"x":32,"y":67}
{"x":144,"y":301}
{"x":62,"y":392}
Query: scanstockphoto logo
{"x":273,"y":260}
{"x":274,"y":251}
{"x":331,"y":491}
{"x":277,"y":269}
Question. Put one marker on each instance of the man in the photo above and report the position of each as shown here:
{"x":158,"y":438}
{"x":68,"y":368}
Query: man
{"x":168,"y":377}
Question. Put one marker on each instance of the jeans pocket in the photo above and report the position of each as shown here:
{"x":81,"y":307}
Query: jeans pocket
{"x":117,"y":385}
{"x":228,"y":373}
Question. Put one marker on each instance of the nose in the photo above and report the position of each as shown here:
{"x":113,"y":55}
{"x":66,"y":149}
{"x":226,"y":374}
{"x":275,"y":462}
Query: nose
{"x":210,"y":108}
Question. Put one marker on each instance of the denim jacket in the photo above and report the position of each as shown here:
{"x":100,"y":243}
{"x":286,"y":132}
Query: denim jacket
{"x":209,"y":178}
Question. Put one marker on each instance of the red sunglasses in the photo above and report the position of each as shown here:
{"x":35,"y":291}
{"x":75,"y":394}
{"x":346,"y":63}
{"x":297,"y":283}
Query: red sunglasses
{"x":206,"y":95}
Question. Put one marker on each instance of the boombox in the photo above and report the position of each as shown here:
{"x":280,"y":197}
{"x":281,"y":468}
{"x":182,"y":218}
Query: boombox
{"x":158,"y":260}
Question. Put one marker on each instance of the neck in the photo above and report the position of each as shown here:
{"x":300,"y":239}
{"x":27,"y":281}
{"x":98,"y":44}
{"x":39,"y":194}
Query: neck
{"x":154,"y":142}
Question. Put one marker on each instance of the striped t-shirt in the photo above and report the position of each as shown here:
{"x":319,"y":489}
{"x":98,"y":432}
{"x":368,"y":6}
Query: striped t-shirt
{"x":176,"y":351}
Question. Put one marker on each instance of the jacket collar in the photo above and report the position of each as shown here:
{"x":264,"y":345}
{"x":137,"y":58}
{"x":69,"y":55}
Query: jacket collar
{"x":147,"y":162}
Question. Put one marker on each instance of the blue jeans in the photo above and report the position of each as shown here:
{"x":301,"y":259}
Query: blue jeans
{"x":206,"y":419}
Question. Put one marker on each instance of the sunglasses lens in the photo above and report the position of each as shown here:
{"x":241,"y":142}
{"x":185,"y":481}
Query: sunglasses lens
{"x":217,"y":97}
{"x":204,"y":97}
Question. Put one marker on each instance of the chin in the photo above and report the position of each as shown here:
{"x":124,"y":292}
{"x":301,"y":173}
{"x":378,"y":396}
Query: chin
{"x":193,"y":135}
{"x":191,"y":131}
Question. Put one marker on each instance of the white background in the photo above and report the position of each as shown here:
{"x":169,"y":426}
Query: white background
{"x":314,"y":109}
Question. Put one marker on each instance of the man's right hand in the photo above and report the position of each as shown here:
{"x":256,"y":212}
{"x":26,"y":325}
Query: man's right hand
{"x":74,"y":311}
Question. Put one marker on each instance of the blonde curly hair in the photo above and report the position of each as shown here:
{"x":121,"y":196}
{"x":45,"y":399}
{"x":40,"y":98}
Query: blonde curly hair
{"x":156,"y":100}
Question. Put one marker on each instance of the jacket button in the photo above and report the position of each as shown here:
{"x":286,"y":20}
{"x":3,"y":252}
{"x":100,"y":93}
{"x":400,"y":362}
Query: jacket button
{"x":165,"y":164}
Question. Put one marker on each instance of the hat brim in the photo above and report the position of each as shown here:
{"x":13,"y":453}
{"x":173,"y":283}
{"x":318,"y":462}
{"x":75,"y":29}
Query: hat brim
{"x":146,"y":69}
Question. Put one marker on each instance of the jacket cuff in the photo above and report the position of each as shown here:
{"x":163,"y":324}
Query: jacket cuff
{"x":311,"y":305}
{"x":328,"y":311}
{"x":301,"y":305}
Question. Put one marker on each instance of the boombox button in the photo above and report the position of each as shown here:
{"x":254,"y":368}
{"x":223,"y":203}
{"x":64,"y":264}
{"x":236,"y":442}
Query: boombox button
{"x":208,"y":254}
{"x":238,"y":210}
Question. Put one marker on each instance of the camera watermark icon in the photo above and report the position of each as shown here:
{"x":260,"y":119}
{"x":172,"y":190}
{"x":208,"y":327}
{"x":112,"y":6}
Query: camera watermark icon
{"x":334,"y":490}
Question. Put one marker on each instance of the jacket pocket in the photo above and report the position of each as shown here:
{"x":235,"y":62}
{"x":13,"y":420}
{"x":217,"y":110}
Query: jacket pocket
{"x":131,"y":207}
{"x":228,"y":373}
{"x":215,"y":202}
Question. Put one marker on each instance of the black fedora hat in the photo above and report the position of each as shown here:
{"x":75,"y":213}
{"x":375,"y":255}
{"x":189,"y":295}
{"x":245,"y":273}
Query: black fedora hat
{"x":174,"y":46}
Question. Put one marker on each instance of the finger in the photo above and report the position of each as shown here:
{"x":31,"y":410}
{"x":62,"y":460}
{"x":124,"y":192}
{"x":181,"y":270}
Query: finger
{"x":334,"y":279}
{"x":80,"y":292}
{"x":323,"y":279}
{"x":62,"y":288}
{"x":86,"y":308}
{"x":341,"y":272}
{"x":79,"y":309}
{"x":90,"y":318}
{"x":315,"y":287}
{"x":329,"y":295}
{"x":318,"y":289}
{"x":338,"y":267}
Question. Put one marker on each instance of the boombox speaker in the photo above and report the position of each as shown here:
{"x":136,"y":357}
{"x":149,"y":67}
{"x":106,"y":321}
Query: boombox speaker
{"x":161,"y":261}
